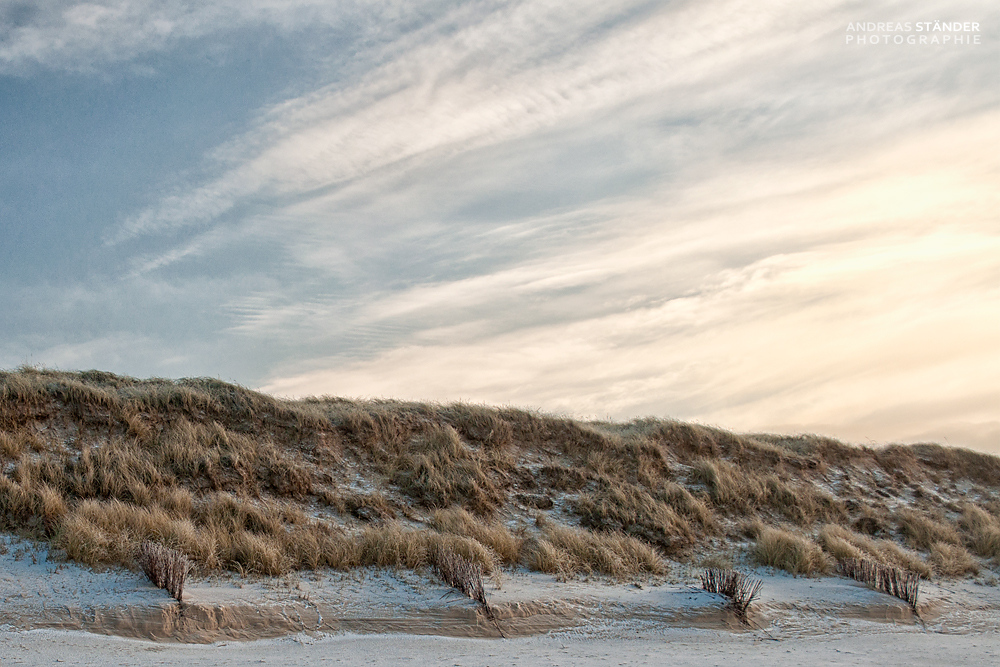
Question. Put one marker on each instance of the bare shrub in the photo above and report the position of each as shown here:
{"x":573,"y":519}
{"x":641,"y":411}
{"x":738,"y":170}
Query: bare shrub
{"x":900,"y":583}
{"x":166,"y":568}
{"x":463,"y":575}
{"x":467,"y":578}
{"x":739,"y":588}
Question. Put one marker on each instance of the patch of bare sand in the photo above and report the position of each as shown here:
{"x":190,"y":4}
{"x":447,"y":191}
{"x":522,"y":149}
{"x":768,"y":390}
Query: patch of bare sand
{"x":58,"y":611}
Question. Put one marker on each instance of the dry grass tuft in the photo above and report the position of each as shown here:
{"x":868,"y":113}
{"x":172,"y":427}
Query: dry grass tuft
{"x":924,"y":531}
{"x":390,"y":545}
{"x":839,"y":542}
{"x":952,"y":560}
{"x":480,"y":424}
{"x":630,"y":509}
{"x":728,"y":486}
{"x":367,"y":507}
{"x":982,"y":531}
{"x":685,"y":504}
{"x":441,"y":471}
{"x":792,"y":553}
{"x":843,"y":543}
{"x":742,"y":490}
{"x":492,"y":534}
{"x":166,"y":568}
{"x":566,"y":551}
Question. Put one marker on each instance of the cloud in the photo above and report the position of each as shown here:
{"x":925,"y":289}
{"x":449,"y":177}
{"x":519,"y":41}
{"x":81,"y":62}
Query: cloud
{"x":796,"y":306}
{"x":89,"y":36}
{"x":497,"y":77}
{"x":715,"y":211}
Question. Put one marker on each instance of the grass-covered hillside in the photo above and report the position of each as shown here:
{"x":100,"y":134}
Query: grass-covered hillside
{"x":96,"y":463}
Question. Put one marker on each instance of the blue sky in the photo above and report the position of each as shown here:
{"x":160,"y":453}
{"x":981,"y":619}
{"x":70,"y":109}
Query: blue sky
{"x":718,"y":211}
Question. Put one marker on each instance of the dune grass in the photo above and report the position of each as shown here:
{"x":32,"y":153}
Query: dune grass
{"x":98,"y":463}
{"x":845,"y":544}
{"x":787,"y":551}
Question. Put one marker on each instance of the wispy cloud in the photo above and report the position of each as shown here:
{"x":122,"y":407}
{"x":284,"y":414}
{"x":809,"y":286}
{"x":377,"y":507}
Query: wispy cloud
{"x":798,"y":306}
{"x":87,"y":36}
{"x":495,"y":78}
{"x":716,"y":211}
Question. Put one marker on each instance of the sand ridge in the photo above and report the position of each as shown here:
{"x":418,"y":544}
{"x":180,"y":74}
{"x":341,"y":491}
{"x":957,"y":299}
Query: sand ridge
{"x":41,"y":594}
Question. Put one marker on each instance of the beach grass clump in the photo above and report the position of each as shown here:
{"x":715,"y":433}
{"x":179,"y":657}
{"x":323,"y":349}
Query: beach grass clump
{"x":843,"y":543}
{"x":741,"y":489}
{"x":695,"y":510}
{"x":440,"y":471}
{"x":627,"y":508}
{"x":982,"y":531}
{"x":565,"y":551}
{"x":790,"y":552}
{"x":952,"y":560}
{"x":391,"y":545}
{"x":480,"y":424}
{"x":923,"y":531}
{"x":492,"y":534}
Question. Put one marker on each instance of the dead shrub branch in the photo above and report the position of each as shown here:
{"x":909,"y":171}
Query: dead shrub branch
{"x":739,"y":588}
{"x":466,"y":577}
{"x":900,"y":583}
{"x":166,"y":568}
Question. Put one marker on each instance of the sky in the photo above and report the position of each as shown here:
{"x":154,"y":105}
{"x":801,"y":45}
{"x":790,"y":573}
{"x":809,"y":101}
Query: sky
{"x":764,"y":215}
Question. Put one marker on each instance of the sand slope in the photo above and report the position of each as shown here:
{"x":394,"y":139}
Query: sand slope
{"x":61,"y":612}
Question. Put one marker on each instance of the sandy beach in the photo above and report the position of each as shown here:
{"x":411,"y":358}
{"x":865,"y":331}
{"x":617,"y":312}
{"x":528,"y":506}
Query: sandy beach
{"x":57,"y":612}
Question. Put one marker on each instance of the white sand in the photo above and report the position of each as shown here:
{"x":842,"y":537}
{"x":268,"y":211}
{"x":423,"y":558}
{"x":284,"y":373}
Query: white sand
{"x":379,"y":617}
